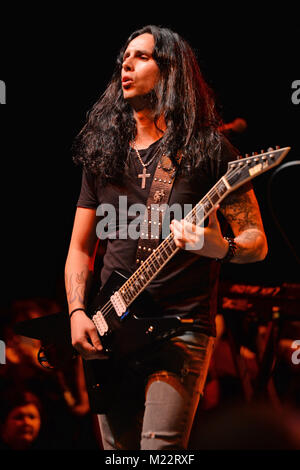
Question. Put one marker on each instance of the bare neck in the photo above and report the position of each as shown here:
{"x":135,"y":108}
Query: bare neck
{"x":147,"y":131}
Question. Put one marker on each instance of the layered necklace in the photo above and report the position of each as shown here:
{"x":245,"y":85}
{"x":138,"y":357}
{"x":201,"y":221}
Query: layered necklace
{"x":144,"y":174}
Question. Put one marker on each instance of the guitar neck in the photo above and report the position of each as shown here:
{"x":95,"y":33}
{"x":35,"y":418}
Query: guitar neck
{"x":159,"y":257}
{"x":238,"y":173}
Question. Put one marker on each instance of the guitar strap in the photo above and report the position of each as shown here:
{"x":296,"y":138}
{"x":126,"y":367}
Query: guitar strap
{"x":159,"y":194}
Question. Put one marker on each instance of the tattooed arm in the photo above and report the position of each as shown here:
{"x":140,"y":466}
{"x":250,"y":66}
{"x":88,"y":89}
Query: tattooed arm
{"x":78,"y":269}
{"x":241,"y":210}
{"x":78,"y":273}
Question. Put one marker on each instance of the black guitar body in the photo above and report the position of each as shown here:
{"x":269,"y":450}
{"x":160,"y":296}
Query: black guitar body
{"x":141,"y":325}
{"x":129,"y":339}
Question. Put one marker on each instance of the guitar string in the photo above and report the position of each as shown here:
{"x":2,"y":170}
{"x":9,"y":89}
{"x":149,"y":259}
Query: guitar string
{"x":150,"y":261}
{"x":143,"y":269}
{"x":108,"y":307}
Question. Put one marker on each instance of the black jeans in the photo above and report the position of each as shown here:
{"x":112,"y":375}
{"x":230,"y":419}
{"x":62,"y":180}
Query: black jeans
{"x":157,"y":397}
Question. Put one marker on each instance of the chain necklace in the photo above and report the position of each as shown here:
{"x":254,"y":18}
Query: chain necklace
{"x":143,"y":175}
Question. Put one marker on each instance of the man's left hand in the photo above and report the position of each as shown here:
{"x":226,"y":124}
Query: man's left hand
{"x":205,"y":241}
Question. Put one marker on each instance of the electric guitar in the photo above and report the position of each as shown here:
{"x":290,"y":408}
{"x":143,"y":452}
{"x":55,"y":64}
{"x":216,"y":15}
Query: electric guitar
{"x":124,"y":313}
{"x":123,"y":310}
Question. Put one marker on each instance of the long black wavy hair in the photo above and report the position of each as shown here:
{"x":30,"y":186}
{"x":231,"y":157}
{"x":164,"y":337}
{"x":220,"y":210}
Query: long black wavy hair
{"x":181,"y":95}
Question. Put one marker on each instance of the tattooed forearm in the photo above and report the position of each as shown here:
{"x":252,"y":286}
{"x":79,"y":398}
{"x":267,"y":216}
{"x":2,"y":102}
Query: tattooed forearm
{"x":240,"y":211}
{"x":251,"y":246}
{"x":77,"y":286}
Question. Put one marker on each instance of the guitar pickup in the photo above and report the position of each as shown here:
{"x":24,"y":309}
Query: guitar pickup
{"x":118,"y":303}
{"x":100,"y":323}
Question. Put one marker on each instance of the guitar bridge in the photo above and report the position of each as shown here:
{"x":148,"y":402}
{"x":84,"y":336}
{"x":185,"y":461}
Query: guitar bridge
{"x":118,"y":304}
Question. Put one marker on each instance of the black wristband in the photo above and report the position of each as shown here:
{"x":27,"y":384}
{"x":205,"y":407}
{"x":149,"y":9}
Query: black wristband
{"x":232,"y":247}
{"x":75,"y":310}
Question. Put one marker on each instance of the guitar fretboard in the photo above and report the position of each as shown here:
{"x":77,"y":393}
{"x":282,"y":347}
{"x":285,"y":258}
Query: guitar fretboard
{"x":149,"y":269}
{"x":239,"y":171}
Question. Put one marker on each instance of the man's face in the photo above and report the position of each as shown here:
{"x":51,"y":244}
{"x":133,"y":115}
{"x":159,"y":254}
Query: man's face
{"x":22,"y":425}
{"x":140,"y":72}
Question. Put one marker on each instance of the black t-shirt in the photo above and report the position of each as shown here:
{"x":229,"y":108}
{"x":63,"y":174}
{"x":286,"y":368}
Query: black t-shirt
{"x":188,"y":282}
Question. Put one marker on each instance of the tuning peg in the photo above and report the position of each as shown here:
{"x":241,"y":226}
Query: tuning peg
{"x":277,"y":147}
{"x":262,"y":151}
{"x":254,"y":153}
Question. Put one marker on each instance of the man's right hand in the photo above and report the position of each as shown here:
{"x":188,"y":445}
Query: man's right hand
{"x":85,"y":338}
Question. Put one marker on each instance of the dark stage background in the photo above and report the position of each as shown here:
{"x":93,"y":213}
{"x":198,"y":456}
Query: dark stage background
{"x":55,"y":67}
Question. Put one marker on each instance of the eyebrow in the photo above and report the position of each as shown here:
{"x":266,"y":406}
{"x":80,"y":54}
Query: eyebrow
{"x":137,"y":51}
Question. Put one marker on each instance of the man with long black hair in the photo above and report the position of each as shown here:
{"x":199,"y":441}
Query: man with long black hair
{"x":157,"y":104}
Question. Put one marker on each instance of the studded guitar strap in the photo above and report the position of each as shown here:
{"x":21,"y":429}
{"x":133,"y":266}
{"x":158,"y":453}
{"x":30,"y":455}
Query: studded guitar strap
{"x":159,"y":194}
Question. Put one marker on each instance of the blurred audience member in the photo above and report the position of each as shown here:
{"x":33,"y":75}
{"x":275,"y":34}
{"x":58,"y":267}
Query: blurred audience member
{"x":20,"y":420}
{"x":61,"y":390}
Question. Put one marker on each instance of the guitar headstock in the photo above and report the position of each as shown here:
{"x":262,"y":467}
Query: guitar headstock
{"x":244,"y":169}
